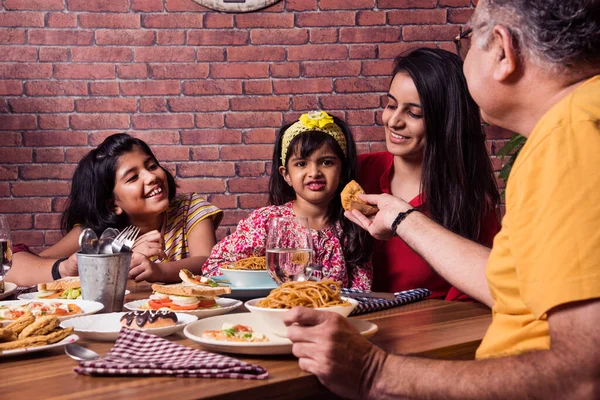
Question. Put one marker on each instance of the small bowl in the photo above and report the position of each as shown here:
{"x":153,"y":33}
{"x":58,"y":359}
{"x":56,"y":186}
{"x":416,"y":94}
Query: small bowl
{"x":273,"y":317}
{"x":248,"y":278}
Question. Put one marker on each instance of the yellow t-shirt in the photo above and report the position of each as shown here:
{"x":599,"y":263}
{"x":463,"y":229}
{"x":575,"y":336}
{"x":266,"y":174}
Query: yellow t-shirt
{"x":548,"y":251}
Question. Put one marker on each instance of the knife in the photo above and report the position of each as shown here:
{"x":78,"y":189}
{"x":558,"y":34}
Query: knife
{"x":374,"y":295}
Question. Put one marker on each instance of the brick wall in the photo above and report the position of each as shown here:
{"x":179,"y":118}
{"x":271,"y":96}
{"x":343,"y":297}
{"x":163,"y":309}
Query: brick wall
{"x":197,"y":85}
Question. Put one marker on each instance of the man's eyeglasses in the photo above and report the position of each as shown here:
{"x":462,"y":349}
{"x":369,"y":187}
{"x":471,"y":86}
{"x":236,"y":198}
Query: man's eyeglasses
{"x":463,"y":43}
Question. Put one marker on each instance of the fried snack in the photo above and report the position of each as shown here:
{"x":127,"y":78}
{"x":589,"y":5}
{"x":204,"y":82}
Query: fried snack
{"x":41,"y":326}
{"x":42,"y":340}
{"x":351,"y":201}
{"x":58,"y":334}
{"x":20,"y":323}
{"x":6,"y":335}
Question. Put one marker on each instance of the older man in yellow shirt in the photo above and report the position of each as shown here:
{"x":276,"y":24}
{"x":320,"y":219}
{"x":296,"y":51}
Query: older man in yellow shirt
{"x":533,"y":68}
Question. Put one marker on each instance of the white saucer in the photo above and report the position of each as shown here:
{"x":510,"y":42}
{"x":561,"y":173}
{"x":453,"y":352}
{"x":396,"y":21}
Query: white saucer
{"x":227,"y":305}
{"x":69,"y":339}
{"x":33,"y":296}
{"x":9,"y":288}
{"x":87,"y":307}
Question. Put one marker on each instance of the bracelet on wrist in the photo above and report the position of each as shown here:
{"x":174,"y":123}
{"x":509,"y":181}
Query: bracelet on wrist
{"x":401,"y":216}
{"x":55,"y":272}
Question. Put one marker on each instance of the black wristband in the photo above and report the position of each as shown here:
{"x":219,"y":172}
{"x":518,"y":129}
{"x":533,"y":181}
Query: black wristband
{"x":400,"y":218}
{"x":55,"y":271}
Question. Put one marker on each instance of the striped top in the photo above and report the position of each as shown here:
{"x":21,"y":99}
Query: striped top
{"x":184,"y":213}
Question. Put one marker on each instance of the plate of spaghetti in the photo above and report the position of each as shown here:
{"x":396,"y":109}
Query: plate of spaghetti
{"x":323,"y":295}
{"x":248,"y":272}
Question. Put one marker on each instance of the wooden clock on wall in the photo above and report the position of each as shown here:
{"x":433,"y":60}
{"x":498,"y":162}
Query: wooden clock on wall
{"x":236,"y":5}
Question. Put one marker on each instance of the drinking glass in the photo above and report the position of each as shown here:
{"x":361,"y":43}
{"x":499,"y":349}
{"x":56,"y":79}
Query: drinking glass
{"x":5,"y":250}
{"x":289,"y":248}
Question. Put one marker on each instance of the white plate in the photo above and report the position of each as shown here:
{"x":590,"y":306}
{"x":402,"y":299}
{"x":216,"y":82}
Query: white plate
{"x":69,"y":339}
{"x":9,"y":288}
{"x":88,"y":307}
{"x":106,"y":327}
{"x":227,"y":305}
{"x":275,"y":345}
{"x":32,"y":296}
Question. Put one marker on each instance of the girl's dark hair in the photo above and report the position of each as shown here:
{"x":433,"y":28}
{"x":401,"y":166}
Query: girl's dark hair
{"x":457,"y":182}
{"x":91,"y":202}
{"x":359,"y":245}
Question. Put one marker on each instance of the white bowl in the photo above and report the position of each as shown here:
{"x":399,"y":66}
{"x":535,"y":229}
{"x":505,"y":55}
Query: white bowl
{"x":248,"y":278}
{"x":273,"y":317}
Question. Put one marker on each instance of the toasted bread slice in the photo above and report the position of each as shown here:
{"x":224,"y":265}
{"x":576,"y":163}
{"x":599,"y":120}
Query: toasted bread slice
{"x":185,"y":289}
{"x":351,"y":201}
{"x":70,"y":282}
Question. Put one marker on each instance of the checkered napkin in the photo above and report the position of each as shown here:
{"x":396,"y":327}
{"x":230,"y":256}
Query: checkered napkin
{"x":142,"y":354}
{"x":367,"y":305}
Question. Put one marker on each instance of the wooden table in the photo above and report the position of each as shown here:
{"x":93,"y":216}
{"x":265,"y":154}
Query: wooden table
{"x":433,"y":328}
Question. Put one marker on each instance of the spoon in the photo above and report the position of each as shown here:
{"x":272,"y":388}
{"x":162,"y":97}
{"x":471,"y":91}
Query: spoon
{"x":88,"y":241}
{"x":106,"y":239}
{"x":80,"y":353}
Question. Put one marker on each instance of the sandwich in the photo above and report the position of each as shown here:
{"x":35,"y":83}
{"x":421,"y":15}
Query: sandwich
{"x":65,"y":288}
{"x":193,"y":293}
{"x":351,"y":201}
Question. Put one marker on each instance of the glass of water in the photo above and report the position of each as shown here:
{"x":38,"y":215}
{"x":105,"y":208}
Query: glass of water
{"x":5,"y":250}
{"x":289,"y":248}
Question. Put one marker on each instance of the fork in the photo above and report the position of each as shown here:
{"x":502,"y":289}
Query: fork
{"x":124,"y":240}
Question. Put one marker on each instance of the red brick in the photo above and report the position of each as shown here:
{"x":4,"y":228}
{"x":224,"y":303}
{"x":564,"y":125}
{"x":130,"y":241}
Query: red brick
{"x":125,"y":37}
{"x":10,"y":155}
{"x":318,"y":52}
{"x":8,"y":173}
{"x":223,"y":201}
{"x":184,"y":5}
{"x":301,"y":5}
{"x":19,"y":221}
{"x":198,"y":104}
{"x":285,"y":70}
{"x":44,"y":189}
{"x":239,"y":70}
{"x":84,"y":71}
{"x":328,"y":18}
{"x":209,"y":185}
{"x":162,"y":21}
{"x":212,"y":87}
{"x":157,"y":137}
{"x":261,"y":135}
{"x":146,"y":5}
{"x":18,"y":122}
{"x":12,"y":36}
{"x":213,"y":37}
{"x":454,"y":3}
{"x":250,"y":168}
{"x":406,"y":3}
{"x":22,"y":19}
{"x":332,"y":68}
{"x":351,"y":85}
{"x":274,"y":8}
{"x":430,"y":32}
{"x":106,"y":105}
{"x":258,"y":20}
{"x":58,"y":204}
{"x":373,"y":35}
{"x":11,"y":138}
{"x":51,"y":139}
{"x":248,"y":185}
{"x":74,"y":154}
{"x":104,"y":89}
{"x":205,"y":153}
{"x":8,"y":88}
{"x":53,"y":121}
{"x":214,"y":20}
{"x":50,"y":238}
{"x":279,"y":36}
{"x":32,"y":238}
{"x":106,"y":54}
{"x":49,"y":155}
{"x":132,"y":71}
{"x":153,"y":105}
{"x":209,"y":120}
{"x":250,"y":152}
{"x":150,"y":88}
{"x":371,"y":18}
{"x":61,"y":20}
{"x":171,"y":153}
{"x":100,"y":121}
{"x":268,"y":103}
{"x":233,"y":216}
{"x":211,"y":136}
{"x":43,"y":5}
{"x":172,"y":121}
{"x":350,"y":101}
{"x":47,"y":171}
{"x":410,"y":17}
{"x":200,"y":169}
{"x":460,"y":15}
{"x":210,"y":54}
{"x":323,"y":35}
{"x":167,"y":37}
{"x":250,"y":120}
{"x":25,"y":71}
{"x":99,"y":5}
{"x":164,"y":54}
{"x":50,"y":54}
{"x":368,"y":133}
{"x":47,"y":221}
{"x":258,"y":87}
{"x":346,"y":4}
{"x":384,"y":67}
{"x":18,"y":53}
{"x":304,"y":103}
{"x":44,"y":105}
{"x":253,"y":53}
{"x":360,"y":117}
{"x":4,"y":109}
{"x":294,"y":86}
{"x":55,"y":88}
{"x":392,"y":50}
{"x":175,"y":71}
{"x":63,"y":36}
{"x":362,"y":51}
{"x":116,"y":21}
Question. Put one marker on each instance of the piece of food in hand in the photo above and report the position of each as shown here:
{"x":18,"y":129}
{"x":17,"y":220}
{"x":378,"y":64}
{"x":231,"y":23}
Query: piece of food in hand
{"x":351,"y":201}
{"x":148,"y":319}
{"x":188,"y":277}
{"x":185,"y":297}
{"x":65,"y":288}
{"x":235,"y":333}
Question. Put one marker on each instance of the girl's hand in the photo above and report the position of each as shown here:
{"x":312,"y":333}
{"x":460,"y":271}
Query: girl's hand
{"x":380,"y":224}
{"x":142,"y":269}
{"x":151,"y":244}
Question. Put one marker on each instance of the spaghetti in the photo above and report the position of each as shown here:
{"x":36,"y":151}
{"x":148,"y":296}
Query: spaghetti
{"x":250,"y":263}
{"x":325,"y":293}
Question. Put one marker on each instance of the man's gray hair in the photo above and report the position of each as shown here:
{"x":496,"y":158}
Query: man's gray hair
{"x":560,"y":35}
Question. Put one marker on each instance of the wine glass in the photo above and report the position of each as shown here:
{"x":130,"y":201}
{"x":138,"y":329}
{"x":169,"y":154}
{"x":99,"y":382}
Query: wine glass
{"x":289,"y":248}
{"x":5,"y":250}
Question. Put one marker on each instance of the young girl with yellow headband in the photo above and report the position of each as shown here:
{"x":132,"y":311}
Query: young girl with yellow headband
{"x":314,"y":158}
